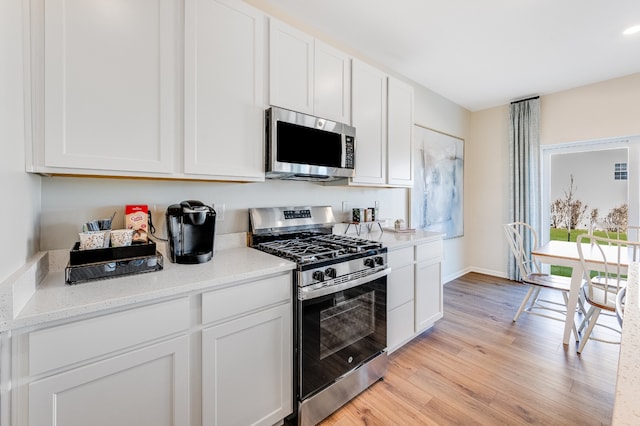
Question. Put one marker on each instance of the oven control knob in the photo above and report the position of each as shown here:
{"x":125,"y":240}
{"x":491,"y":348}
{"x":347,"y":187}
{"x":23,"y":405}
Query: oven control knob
{"x":369,"y":262}
{"x":318,"y":276}
{"x":331,"y":272}
{"x":379,"y":260}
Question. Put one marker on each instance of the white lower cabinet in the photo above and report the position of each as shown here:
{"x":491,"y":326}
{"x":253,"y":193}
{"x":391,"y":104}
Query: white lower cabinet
{"x":400,"y":312}
{"x":428,"y":286}
{"x":246,"y":369}
{"x":428,"y":295}
{"x":148,"y":386}
{"x":125,"y":368}
{"x":222,"y":357}
{"x":247,"y":354}
{"x":414,"y":291}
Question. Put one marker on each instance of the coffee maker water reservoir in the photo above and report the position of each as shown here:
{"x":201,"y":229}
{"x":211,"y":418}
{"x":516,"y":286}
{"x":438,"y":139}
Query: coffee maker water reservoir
{"x":191,"y":228}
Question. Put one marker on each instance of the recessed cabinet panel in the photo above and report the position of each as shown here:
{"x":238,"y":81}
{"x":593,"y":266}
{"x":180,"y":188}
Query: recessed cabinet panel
{"x":431,"y":251}
{"x":290,"y":67}
{"x":240,"y":299}
{"x":149,"y":386}
{"x":400,"y":151}
{"x":332,"y":83}
{"x":428,"y":295}
{"x":400,"y":325}
{"x":400,"y":286}
{"x":369,"y":117}
{"x":109,"y":84}
{"x":224,"y":89}
{"x":400,"y":257}
{"x":94,"y":337}
{"x":247,"y":369}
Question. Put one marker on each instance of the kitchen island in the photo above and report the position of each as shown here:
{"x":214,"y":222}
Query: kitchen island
{"x":626,"y":410}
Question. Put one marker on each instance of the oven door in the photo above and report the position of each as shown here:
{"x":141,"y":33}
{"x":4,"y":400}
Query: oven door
{"x":340,"y":331}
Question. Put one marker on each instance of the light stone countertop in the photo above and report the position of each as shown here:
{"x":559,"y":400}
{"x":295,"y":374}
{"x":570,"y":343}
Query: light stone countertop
{"x":396,"y":240}
{"x":626,"y":410}
{"x":24,"y":304}
{"x":55,"y":300}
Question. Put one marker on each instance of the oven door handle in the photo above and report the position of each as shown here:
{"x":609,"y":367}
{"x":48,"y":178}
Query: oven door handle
{"x":311,"y":292}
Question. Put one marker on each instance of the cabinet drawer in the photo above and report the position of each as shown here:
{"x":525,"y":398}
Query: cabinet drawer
{"x":399,"y":286}
{"x":429,"y":251}
{"x":69,"y":343}
{"x":237,"y":300}
{"x":400,"y":258}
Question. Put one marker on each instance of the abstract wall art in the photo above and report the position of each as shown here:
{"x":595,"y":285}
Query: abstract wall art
{"x":437,"y":194}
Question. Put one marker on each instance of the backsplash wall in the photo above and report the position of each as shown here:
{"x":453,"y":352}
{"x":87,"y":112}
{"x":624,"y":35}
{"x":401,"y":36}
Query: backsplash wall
{"x":68,"y":202}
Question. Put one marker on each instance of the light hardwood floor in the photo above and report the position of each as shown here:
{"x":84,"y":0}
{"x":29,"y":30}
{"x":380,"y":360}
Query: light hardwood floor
{"x":477,"y":367}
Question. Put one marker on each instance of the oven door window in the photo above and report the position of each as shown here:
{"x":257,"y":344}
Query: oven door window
{"x":339,"y":332}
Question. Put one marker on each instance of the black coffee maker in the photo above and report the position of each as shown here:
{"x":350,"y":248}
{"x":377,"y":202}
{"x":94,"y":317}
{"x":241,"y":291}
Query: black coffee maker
{"x":191,"y":226}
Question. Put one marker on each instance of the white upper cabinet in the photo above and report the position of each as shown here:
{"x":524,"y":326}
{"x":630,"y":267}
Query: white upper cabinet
{"x":400,"y":129}
{"x":224,"y":90}
{"x":290,"y":68}
{"x":108,"y":90}
{"x":369,"y":114}
{"x":332,"y":83}
{"x":307,"y":75}
{"x":382,"y":112}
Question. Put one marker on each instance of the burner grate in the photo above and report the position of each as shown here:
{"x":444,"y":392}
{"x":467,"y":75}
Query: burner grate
{"x":303,"y":251}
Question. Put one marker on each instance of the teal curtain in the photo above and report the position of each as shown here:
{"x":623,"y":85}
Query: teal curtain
{"x":524,"y":160}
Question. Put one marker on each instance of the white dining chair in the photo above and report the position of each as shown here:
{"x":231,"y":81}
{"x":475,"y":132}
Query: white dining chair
{"x":522,"y":237}
{"x":603,"y":282}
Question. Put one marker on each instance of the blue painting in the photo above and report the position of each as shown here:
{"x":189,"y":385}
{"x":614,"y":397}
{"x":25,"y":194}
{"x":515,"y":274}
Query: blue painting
{"x":437,"y":194}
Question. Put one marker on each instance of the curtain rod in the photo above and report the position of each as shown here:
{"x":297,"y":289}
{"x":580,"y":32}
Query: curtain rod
{"x":527,"y":99}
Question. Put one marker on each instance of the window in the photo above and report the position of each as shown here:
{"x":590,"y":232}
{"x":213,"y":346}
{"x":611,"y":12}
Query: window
{"x":620,"y":172}
{"x":594,"y":184}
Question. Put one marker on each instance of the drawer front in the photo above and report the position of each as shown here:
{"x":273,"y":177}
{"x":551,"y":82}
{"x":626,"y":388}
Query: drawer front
{"x":237,"y":300}
{"x":399,"y":286}
{"x":400,"y":258}
{"x":429,"y":251}
{"x":69,"y":343}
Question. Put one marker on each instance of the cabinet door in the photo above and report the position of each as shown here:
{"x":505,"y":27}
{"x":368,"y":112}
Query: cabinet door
{"x":148,"y":386}
{"x":400,"y":326}
{"x":290,"y":68}
{"x":400,"y":286}
{"x":109,"y":84}
{"x":428,"y":295}
{"x":400,"y":305}
{"x":247,"y":369}
{"x":224,"y":90}
{"x":332,"y":83}
{"x":400,"y":139}
{"x":369,"y":117}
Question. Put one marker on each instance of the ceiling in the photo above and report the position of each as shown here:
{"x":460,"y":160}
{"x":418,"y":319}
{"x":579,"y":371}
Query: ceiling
{"x":483,"y":53}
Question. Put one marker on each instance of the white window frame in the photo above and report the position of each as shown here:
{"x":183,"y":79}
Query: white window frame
{"x":633,"y":172}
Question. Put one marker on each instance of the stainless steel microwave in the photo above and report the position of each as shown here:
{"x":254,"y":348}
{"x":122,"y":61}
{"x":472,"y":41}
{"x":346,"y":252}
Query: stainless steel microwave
{"x":304,"y":147}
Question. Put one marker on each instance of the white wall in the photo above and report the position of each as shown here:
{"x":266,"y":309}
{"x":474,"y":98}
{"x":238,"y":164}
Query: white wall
{"x":604,"y":110}
{"x":20,"y":192}
{"x":598,"y":111}
{"x":68,"y":202}
{"x":487,"y":190}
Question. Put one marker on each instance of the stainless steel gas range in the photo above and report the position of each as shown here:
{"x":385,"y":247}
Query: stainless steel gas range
{"x":340,"y":327}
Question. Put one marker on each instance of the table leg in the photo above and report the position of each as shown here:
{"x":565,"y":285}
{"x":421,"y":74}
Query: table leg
{"x":574,"y":293}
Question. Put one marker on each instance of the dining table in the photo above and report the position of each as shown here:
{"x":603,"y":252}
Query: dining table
{"x":565,"y":253}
